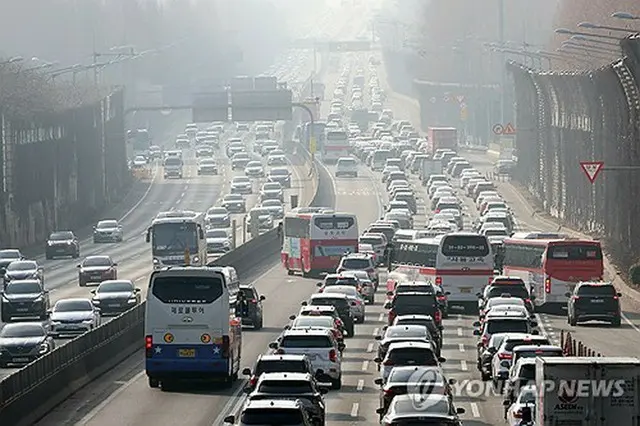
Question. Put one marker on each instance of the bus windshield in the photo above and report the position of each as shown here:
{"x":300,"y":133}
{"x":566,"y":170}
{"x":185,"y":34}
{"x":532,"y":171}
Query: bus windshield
{"x":175,"y":238}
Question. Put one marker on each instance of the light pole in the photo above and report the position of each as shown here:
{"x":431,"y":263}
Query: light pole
{"x":567,"y":31}
{"x":503,"y":68}
{"x":42,"y":66}
{"x":625,"y":15}
{"x":72,"y":69}
{"x":595,"y":41}
{"x":592,"y":26}
{"x":598,"y":49}
{"x":581,"y":51}
{"x":13,"y":60}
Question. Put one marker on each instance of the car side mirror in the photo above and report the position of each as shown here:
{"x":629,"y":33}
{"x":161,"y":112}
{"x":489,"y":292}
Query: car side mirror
{"x":447,"y":293}
{"x":287,"y":327}
{"x":354,"y":304}
{"x":452,"y":381}
{"x":476,"y":324}
{"x":378,"y":381}
{"x":78,"y":266}
{"x":263,"y":298}
{"x":619,"y":294}
{"x":115,"y":264}
{"x":390,"y":293}
{"x":323,"y":390}
{"x":378,"y":338}
{"x":476,"y":332}
{"x":506,"y":403}
{"x":532,"y":297}
{"x":387,"y":305}
{"x":246,"y":372}
{"x":273,"y":345}
{"x":341,"y":347}
{"x":534,"y":323}
{"x":137,"y":290}
{"x":441,"y":359}
{"x":303,"y":303}
{"x":460,"y":410}
{"x":292,"y":317}
{"x":377,"y":360}
{"x":380,"y":411}
{"x":246,"y":389}
{"x":535,"y":332}
{"x":93,"y":291}
{"x":567,"y":294}
{"x":230,"y":419}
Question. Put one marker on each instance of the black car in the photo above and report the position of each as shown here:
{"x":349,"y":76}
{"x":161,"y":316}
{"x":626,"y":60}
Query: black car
{"x":9,"y":255}
{"x":301,"y":386}
{"x":273,"y":363}
{"x":24,"y":299}
{"x":23,"y":342}
{"x":254,"y":301}
{"x":62,"y":244}
{"x":414,"y":303}
{"x":342,"y":305}
{"x":504,"y":285}
{"x":114,"y":297}
{"x":594,"y":301}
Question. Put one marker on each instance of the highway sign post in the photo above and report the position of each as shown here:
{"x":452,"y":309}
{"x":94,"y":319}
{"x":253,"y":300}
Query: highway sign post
{"x":210,"y":107}
{"x":592,"y":169}
{"x":257,"y":105}
{"x":504,"y":130}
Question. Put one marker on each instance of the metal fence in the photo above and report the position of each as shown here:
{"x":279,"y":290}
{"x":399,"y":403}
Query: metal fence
{"x":564,"y":118}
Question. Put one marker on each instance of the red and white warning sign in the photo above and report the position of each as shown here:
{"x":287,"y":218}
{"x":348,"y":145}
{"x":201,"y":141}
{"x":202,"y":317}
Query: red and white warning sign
{"x":592,"y":169}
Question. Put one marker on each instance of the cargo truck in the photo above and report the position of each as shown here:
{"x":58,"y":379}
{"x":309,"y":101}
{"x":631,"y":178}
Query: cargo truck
{"x":430,"y":167}
{"x":587,"y":391}
{"x":441,"y":138}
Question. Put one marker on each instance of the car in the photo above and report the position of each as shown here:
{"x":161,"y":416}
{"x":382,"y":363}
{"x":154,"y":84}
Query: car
{"x":485,"y":356}
{"x":422,"y":409}
{"x":427,"y":321}
{"x":95,"y":269}
{"x":320,"y":346}
{"x":24,"y":299}
{"x":9,"y":255}
{"x":23,"y":342}
{"x":73,"y":316}
{"x":272,"y":412}
{"x":234,"y":203}
{"x":502,"y":360}
{"x":407,"y":353}
{"x":361,"y":262}
{"x":240,"y":160}
{"x":347,"y":166}
{"x":286,"y":385}
{"x":275,"y":207}
{"x":593,"y":301}
{"x":242,"y":127}
{"x":203,"y":152}
{"x":505,"y":286}
{"x":318,"y":321}
{"x":265,"y":220}
{"x":241,"y":185}
{"x":254,"y":169}
{"x":342,"y":304}
{"x":356,"y":300}
{"x":218,"y":241}
{"x":62,"y":244}
{"x":367,"y":288}
{"x":139,"y":161}
{"x":413,"y":303}
{"x":114,"y":297}
{"x":410,"y":380}
{"x":503,"y":322}
{"x":527,"y":397}
{"x":23,"y":270}
{"x":270,"y":363}
{"x":236,"y":146}
{"x":276,"y":160}
{"x":504,"y":300}
{"x":521,"y":374}
{"x":401,"y":333}
{"x":323,"y":311}
{"x":108,"y":230}
{"x":272,"y":191}
{"x":534,"y":350}
{"x":218,"y":217}
{"x":207,"y":166}
{"x":280,"y":175}
{"x":255,"y":316}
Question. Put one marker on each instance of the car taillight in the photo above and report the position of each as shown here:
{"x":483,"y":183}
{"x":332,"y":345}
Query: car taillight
{"x":490,"y":280}
{"x":225,"y":346}
{"x":388,"y":362}
{"x":392,"y":316}
{"x":333,"y":355}
{"x":505,"y":356}
{"x":437,"y":211}
{"x":547,"y":285}
{"x":389,"y":392}
{"x":280,"y":352}
{"x":438,"y":316}
{"x":438,"y":280}
{"x":517,"y":414}
{"x":485,"y":340}
{"x":254,"y":301}
{"x":576,"y":297}
{"x":442,"y":298}
{"x":527,"y":300}
{"x":148,"y":346}
{"x":615,"y":297}
{"x":253,"y":381}
{"x":339,"y":323}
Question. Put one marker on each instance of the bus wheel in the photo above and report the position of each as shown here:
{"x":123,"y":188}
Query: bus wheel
{"x":153,"y":383}
{"x":290,"y":272}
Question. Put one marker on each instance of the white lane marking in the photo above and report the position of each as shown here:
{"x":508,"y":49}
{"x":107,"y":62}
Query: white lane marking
{"x":140,"y":278}
{"x":370,"y":347}
{"x":144,"y":196}
{"x":354,"y":409}
{"x":91,"y":414}
{"x":381,"y":317}
{"x":365,"y":365}
{"x":541,"y":326}
{"x":460,"y":331}
{"x":628,"y":321}
{"x":376,"y":331}
{"x":463,"y":365}
{"x":360,"y":386}
{"x":461,"y":347}
{"x":475,"y":411}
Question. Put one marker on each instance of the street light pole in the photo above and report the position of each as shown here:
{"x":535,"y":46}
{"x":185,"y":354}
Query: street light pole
{"x":503,"y":68}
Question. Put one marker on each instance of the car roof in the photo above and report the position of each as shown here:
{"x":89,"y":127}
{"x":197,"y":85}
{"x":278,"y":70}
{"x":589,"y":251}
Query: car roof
{"x":328,"y":295}
{"x":282,"y":357}
{"x":414,"y":316}
{"x":404,"y":327}
{"x":318,"y":307}
{"x":505,"y":315}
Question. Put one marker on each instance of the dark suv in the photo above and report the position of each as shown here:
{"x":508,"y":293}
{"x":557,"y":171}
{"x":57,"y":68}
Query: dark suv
{"x":25,"y":299}
{"x":414,"y":303}
{"x":254,"y":302}
{"x":594,"y":301}
{"x":503,"y":285}
{"x":62,"y":244}
{"x":342,"y":305}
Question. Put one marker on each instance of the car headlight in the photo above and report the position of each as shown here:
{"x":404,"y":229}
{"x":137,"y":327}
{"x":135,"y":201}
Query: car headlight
{"x":95,"y":301}
{"x":49,"y":243}
{"x":156,"y":261}
{"x":132,"y":301}
{"x":195,"y":259}
{"x":43,"y":349}
{"x":38,"y":299}
{"x":88,"y":321}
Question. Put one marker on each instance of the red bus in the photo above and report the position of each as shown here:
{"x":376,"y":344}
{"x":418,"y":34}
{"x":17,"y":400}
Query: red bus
{"x":552,"y":267}
{"x":315,"y":242}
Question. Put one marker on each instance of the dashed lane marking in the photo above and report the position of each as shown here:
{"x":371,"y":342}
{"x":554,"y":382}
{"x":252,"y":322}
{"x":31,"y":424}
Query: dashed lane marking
{"x":460,"y":333}
{"x":360,"y":386}
{"x":463,"y":365}
{"x":461,"y":347}
{"x":370,"y":347}
{"x":475,"y":411}
{"x":354,"y":409}
{"x":365,"y":365}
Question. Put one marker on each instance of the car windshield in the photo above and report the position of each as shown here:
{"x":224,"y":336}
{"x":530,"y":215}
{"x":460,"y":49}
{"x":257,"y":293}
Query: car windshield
{"x":285,"y":386}
{"x":73,"y":306}
{"x":272,"y":416}
{"x":426,"y":288}
{"x":233,"y":197}
{"x":370,"y":240}
{"x":254,"y":164}
{"x":339,"y":303}
{"x":106,"y":224}
{"x":407,"y":375}
{"x":518,"y":291}
{"x":540,"y":352}
{"x":24,"y":287}
{"x":207,"y":161}
{"x":306,"y":342}
{"x":61,"y":236}
{"x":412,"y":356}
{"x":496,"y":233}
{"x":271,"y":203}
{"x":597,"y":290}
{"x":271,"y":187}
{"x":22,"y":330}
{"x":507,"y":326}
{"x":408,"y":303}
{"x":97,"y":261}
{"x":217,"y":210}
{"x":217,"y":233}
{"x":9,"y":254}
{"x":356,"y":263}
{"x":26,"y":265}
{"x":343,"y":289}
{"x":115,"y":287}
{"x":502,"y":301}
{"x":512,"y":343}
{"x":241,"y":179}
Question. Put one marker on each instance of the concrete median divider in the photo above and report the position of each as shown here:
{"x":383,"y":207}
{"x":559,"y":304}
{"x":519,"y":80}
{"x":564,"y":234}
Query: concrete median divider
{"x":31,"y":392}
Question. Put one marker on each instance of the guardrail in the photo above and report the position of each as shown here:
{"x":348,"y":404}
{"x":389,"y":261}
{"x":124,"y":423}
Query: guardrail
{"x":31,"y":392}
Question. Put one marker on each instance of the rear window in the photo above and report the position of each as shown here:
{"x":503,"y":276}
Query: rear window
{"x":306,"y":342}
{"x":329,"y":223}
{"x":406,"y":304}
{"x":516,"y":290}
{"x":420,"y":254}
{"x":422,"y":421}
{"x":597,"y":290}
{"x":535,"y":353}
{"x":285,"y":386}
{"x":195,"y":290}
{"x":429,"y":324}
{"x":575,"y":252}
{"x":442,"y":206}
{"x":338,"y":303}
{"x":528,"y":372}
{"x":465,"y":246}
{"x":507,"y":326}
{"x":280,"y":366}
{"x":519,"y":342}
{"x":414,"y":288}
{"x":370,"y":240}
{"x":387,"y":231}
{"x":356,"y":263}
{"x":412,"y":356}
{"x":272,"y":416}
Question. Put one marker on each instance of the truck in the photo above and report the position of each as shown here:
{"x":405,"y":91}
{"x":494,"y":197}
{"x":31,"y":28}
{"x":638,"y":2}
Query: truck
{"x":430,"y":167}
{"x":265,"y":83}
{"x":317,"y":130}
{"x":441,"y":138}
{"x":587,"y":391}
{"x":336,"y":145}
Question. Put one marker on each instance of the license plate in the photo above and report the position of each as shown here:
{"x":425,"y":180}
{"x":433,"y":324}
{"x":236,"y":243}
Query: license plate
{"x":70,"y":327}
{"x":187,"y":353}
{"x":311,"y":356}
{"x":22,"y":309}
{"x":115,"y":305}
{"x":465,"y":289}
{"x":597,"y":301}
{"x":20,"y":360}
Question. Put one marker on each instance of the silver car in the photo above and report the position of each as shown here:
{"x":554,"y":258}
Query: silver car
{"x":368,"y":288}
{"x":107,"y":231}
{"x":355,"y":300}
{"x":73,"y":316}
{"x":275,"y":207}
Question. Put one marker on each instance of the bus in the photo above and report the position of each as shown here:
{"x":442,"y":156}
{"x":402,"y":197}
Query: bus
{"x":192,"y":331}
{"x":315,"y":242}
{"x":460,"y":263}
{"x":336,"y":145}
{"x":551,"y":267}
{"x":178,"y":239}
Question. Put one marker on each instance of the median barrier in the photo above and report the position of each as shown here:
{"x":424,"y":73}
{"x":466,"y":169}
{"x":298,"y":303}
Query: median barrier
{"x":31,"y":392}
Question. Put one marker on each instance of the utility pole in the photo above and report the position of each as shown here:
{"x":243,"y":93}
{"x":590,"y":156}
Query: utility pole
{"x":503,"y":67}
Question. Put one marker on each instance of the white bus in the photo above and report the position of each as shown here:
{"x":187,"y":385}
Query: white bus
{"x":192,"y":332}
{"x":177,"y":239}
{"x":336,"y":145}
{"x":461,"y":263}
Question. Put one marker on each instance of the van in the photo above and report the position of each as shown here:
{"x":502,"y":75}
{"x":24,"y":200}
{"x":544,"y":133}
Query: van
{"x":347,"y":166}
{"x":172,"y":167}
{"x":379,"y":159}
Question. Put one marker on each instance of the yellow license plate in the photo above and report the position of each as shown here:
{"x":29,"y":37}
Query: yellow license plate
{"x":187,"y":353}
{"x":465,"y":289}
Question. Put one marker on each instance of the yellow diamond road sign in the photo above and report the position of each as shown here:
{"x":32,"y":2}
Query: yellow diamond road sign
{"x":312,"y":146}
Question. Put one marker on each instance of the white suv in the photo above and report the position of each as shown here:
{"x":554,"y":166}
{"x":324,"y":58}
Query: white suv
{"x":347,"y":166}
{"x":359,"y":262}
{"x":320,"y":347}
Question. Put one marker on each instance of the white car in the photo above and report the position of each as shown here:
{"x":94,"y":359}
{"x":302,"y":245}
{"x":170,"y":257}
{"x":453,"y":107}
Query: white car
{"x":347,"y":166}
{"x":407,"y":354}
{"x":526,"y":398}
{"x":241,"y":185}
{"x":73,"y":316}
{"x":139,"y":161}
{"x":254,"y":169}
{"x":107,"y":231}
{"x":217,"y":217}
{"x":276,"y":160}
{"x":275,"y":207}
{"x":356,"y":301}
{"x":218,"y":241}
{"x":207,"y":166}
{"x":272,"y":191}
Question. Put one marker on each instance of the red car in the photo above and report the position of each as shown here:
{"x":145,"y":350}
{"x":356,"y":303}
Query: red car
{"x":95,"y":269}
